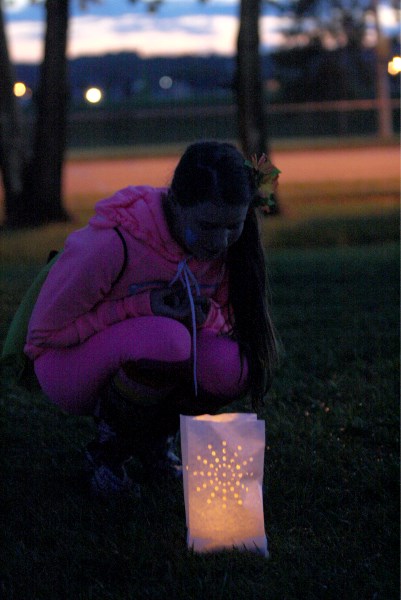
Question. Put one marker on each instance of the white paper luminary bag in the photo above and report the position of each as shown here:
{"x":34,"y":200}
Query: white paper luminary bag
{"x":223,"y":460}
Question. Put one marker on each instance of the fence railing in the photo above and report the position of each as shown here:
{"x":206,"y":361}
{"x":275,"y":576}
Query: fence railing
{"x":231,"y":109}
{"x":170,"y":124}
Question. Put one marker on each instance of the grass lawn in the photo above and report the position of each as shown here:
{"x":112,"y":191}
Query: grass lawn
{"x":331,"y":470}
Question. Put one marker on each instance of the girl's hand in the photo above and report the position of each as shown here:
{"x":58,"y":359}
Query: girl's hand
{"x":170,"y":302}
{"x":174,"y":303}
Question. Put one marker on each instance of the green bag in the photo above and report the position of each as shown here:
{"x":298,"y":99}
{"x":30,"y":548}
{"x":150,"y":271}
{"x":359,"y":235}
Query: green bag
{"x":13,"y":348}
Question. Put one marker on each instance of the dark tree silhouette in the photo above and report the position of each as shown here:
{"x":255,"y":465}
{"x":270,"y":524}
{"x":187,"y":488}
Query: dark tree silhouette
{"x":43,"y":181}
{"x":12,"y":159}
{"x":32,"y":179}
{"x":248,"y":82}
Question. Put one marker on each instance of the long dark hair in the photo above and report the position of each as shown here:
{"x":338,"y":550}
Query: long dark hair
{"x":216,"y":171}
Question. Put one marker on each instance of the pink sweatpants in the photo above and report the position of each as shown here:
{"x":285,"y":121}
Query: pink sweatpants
{"x":72,"y":377}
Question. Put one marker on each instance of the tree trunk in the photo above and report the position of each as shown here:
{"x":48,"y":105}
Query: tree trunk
{"x":251,"y":118}
{"x":43,"y":184}
{"x":382,"y":54}
{"x":249,"y":89}
{"x":11,"y":147}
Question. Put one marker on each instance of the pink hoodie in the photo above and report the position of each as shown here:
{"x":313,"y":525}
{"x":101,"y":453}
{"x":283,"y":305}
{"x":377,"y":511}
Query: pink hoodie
{"x":78,"y":298}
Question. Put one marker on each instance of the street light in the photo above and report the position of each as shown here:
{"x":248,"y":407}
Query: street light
{"x":165,"y":82}
{"x":394,"y":66}
{"x":20,"y":89}
{"x":93,"y":95}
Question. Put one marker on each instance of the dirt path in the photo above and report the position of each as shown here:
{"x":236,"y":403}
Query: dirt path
{"x":101,"y":177}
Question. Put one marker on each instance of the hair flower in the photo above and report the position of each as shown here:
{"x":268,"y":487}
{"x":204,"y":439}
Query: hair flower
{"x":266,"y":179}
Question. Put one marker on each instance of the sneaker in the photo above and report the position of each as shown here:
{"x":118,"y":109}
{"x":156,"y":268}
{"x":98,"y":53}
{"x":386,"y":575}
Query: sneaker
{"x":107,"y":480}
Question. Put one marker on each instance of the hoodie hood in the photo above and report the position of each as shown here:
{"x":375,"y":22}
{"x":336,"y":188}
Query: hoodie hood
{"x":139,"y":210}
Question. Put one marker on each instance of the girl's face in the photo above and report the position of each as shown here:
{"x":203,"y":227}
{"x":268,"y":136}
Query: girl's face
{"x":206,"y":230}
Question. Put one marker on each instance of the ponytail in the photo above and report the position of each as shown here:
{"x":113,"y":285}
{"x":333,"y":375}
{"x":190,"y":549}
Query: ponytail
{"x":252,"y":326}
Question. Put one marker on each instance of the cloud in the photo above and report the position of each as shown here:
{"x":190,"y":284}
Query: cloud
{"x":15,"y":5}
{"x":23,"y":9}
{"x":178,"y":27}
{"x":25,"y":41}
{"x":151,"y":37}
{"x":144,"y":34}
{"x":389,"y":18}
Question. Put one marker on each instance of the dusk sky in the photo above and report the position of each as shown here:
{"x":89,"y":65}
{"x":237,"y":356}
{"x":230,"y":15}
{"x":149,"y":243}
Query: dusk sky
{"x":178,"y":27}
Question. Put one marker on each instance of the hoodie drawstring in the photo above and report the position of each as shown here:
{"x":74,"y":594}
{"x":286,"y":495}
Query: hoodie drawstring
{"x":187,"y":278}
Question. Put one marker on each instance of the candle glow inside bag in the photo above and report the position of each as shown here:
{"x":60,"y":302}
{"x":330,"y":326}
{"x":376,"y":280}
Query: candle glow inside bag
{"x":223,"y":461}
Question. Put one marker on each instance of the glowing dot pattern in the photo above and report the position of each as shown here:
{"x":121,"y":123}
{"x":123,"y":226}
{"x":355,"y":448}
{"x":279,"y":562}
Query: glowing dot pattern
{"x":224,"y":480}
